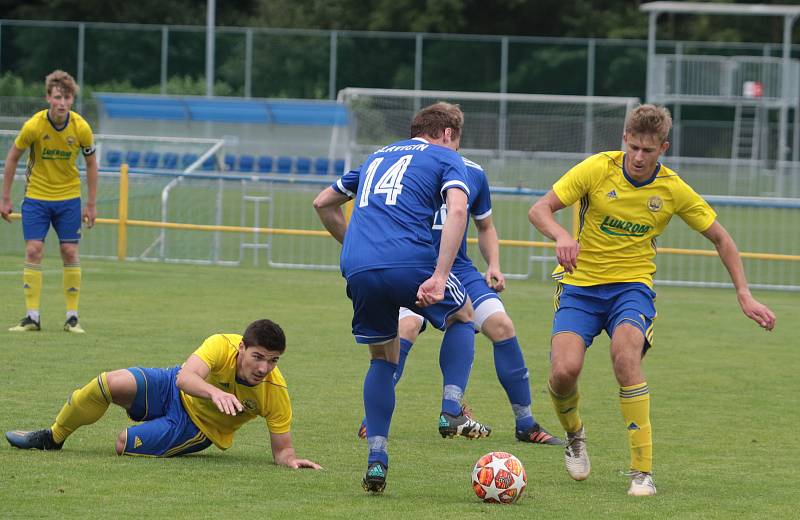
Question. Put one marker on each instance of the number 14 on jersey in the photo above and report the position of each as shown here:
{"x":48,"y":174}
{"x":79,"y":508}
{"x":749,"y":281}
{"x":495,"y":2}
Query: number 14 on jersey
{"x":389,"y":184}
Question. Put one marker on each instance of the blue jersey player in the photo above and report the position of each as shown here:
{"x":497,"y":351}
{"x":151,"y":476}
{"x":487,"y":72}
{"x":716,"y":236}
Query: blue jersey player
{"x":390,"y":261}
{"x":490,"y":314}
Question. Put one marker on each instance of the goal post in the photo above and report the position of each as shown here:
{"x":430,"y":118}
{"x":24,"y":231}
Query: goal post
{"x":497,"y":126}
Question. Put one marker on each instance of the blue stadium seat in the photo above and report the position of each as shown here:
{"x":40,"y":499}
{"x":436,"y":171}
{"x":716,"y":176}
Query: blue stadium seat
{"x":265,"y":164}
{"x":113,"y":158}
{"x":321,"y":165}
{"x":246,"y":163}
{"x":284,"y":164}
{"x":210,"y":164}
{"x":151,"y":160}
{"x":188,"y":159}
{"x":230,"y":162}
{"x":302,"y":165}
{"x":132,"y":158}
{"x":170,"y":161}
{"x":338,"y":167}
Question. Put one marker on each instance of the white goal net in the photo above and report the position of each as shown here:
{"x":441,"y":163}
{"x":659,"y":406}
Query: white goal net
{"x":517,"y":133}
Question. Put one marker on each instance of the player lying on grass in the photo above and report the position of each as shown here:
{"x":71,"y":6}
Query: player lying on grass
{"x":490,"y":314}
{"x":228,"y":381}
{"x":605,"y":277}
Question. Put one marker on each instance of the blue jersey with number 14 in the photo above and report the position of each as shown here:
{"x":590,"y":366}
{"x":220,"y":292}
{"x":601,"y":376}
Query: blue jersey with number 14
{"x":396,"y":193}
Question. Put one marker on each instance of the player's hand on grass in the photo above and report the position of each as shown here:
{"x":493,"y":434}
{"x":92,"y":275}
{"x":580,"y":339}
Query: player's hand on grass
{"x":430,"y":291}
{"x":227,"y":403}
{"x":303,"y":463}
{"x":757,"y":311}
{"x":6,"y":208}
{"x":567,"y":249}
{"x":495,"y":279}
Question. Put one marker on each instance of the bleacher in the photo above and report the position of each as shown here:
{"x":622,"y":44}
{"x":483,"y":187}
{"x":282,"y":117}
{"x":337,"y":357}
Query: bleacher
{"x":302,"y":120}
{"x":245,"y":163}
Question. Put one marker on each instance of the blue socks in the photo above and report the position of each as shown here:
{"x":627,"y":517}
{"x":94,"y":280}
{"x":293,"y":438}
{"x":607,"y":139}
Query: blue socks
{"x":379,"y":403}
{"x":455,"y":360}
{"x":405,"y":348}
{"x":513,"y":375}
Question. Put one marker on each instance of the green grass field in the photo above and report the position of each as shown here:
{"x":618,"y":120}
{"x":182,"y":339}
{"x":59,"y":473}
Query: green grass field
{"x":723,"y":406}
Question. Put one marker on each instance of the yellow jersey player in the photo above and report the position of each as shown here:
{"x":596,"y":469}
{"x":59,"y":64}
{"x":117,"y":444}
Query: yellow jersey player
{"x":229,"y":380}
{"x":605,"y":276}
{"x":55,"y":137}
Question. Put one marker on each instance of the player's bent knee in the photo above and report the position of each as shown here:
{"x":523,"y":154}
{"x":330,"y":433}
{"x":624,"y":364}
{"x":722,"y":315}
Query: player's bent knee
{"x":565,"y":374}
{"x":498,"y":327}
{"x":122,"y":439}
{"x":122,"y":386}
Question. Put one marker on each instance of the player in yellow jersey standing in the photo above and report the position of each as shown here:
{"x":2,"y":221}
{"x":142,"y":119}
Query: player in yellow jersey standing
{"x":229,"y":380}
{"x":605,"y":277}
{"x":55,"y":137}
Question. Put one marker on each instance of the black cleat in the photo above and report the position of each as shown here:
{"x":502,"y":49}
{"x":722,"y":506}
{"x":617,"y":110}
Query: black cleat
{"x":26,"y":324}
{"x":72,"y":325}
{"x":538,"y":435}
{"x":375,"y":479}
{"x":35,"y":440}
{"x":463,"y":425}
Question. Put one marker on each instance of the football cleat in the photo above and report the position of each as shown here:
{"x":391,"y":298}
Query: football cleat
{"x":538,"y":435}
{"x":72,"y":325}
{"x":641,"y":484}
{"x":463,"y":425}
{"x":362,"y":429}
{"x":375,"y":479}
{"x":26,"y":324}
{"x":35,"y":440}
{"x":575,"y":456}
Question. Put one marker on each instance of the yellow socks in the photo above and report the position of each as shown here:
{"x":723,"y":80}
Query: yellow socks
{"x":32,"y":287}
{"x":567,"y":409}
{"x":635,"y":403}
{"x":72,"y":286}
{"x":85,"y":406}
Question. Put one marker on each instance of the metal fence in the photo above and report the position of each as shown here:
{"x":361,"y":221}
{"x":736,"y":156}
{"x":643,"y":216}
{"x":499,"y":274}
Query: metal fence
{"x":268,"y":220}
{"x":301,"y":63}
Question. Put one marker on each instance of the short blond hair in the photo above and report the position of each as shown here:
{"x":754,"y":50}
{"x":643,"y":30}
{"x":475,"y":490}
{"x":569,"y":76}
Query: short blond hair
{"x":433,"y":119}
{"x":649,"y":120}
{"x":62,"y":81}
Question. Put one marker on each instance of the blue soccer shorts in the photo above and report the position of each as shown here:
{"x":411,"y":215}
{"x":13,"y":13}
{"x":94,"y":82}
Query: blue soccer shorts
{"x":587,"y":311}
{"x":378,"y":294}
{"x":65,"y":215}
{"x":485,"y":300}
{"x":167,"y":430}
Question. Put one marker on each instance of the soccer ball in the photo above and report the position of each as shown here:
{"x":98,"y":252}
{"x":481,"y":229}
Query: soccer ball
{"x":499,"y":477}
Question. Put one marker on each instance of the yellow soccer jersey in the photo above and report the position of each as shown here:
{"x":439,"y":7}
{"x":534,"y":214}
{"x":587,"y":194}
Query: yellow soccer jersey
{"x":620,"y":220}
{"x":269,"y":399}
{"x":52,"y":173}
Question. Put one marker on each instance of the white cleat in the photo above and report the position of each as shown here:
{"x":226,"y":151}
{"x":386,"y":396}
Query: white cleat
{"x":641,"y":484}
{"x":576,"y":458}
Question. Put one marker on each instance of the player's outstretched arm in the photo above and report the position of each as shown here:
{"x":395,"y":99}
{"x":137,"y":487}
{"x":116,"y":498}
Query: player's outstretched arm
{"x":90,"y":209}
{"x":729,"y":255}
{"x":10,"y":168}
{"x":328,"y":205}
{"x":490,"y":250}
{"x":283,"y":452}
{"x":192,"y":380}
{"x":541,"y":216}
